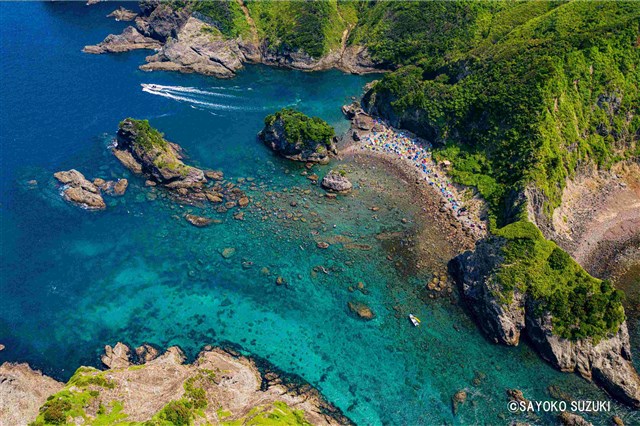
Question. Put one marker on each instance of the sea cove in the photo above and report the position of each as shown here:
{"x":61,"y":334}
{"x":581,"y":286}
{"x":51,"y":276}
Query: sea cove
{"x":72,"y":281}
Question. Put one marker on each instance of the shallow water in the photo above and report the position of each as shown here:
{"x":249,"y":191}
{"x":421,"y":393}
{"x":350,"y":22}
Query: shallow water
{"x":72,"y":281}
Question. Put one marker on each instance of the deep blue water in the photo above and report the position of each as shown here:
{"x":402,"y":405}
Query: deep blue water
{"x":72,"y":281}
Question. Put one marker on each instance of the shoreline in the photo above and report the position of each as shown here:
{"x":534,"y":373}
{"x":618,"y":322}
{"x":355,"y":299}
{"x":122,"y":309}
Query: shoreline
{"x":246,"y":386}
{"x":411,"y":156}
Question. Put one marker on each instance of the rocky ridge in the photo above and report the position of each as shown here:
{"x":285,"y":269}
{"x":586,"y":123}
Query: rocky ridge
{"x":607,"y":362}
{"x":187,"y":43}
{"x":219,"y":386}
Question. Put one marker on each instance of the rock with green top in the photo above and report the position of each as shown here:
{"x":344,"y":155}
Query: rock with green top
{"x":143,"y":149}
{"x":299,"y":137}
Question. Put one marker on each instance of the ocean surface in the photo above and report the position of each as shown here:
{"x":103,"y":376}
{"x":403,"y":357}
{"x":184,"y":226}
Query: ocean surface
{"x":72,"y":281}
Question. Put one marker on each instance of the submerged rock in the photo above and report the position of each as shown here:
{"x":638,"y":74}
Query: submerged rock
{"x":361,"y":310}
{"x":336,"y":181}
{"x":198,"y":221}
{"x":298,"y":137}
{"x":79,"y":191}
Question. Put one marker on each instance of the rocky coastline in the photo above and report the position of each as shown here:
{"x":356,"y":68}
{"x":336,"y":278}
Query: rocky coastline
{"x":141,"y":385}
{"x":607,"y":362}
{"x":186,"y":42}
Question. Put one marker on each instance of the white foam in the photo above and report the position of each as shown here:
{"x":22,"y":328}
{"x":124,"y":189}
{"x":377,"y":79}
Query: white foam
{"x":181,"y":94}
{"x":192,"y":90}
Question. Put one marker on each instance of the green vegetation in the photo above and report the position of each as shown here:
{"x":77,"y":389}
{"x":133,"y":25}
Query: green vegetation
{"x":271,"y":415}
{"x":551,"y":86}
{"x":300,"y":128}
{"x":80,"y":391}
{"x":147,"y":137}
{"x":314,"y":27}
{"x":185,"y":410}
{"x":581,"y":306}
{"x":226,"y":16}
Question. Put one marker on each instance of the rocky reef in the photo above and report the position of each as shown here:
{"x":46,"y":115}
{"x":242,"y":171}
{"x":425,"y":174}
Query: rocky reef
{"x":189,"y":39}
{"x":504,"y":319}
{"x":79,"y":191}
{"x":140,"y":386}
{"x":298,"y":137}
{"x":145,"y":151}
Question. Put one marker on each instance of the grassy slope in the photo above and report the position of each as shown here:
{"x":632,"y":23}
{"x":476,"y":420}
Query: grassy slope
{"x":519,"y":94}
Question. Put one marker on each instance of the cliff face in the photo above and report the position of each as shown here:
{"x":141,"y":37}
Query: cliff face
{"x":608,"y":362}
{"x":220,"y":386}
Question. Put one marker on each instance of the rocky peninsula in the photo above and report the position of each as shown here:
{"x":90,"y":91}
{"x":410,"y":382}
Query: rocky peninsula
{"x":299,"y":137}
{"x":193,"y":38}
{"x":219,"y":387}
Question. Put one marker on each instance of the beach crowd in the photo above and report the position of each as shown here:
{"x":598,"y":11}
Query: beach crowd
{"x":402,"y":146}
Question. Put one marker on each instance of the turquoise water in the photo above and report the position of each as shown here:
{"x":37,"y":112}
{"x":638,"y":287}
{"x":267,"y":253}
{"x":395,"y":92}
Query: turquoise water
{"x":72,"y":281}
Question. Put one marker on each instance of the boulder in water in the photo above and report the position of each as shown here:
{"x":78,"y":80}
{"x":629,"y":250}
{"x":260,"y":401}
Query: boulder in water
{"x":336,"y":181}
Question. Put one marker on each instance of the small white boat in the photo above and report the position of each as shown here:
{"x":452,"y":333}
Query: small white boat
{"x":414,"y":320}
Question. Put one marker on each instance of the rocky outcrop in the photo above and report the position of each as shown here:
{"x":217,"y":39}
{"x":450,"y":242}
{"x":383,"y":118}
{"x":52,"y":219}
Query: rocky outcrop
{"x":22,"y":393}
{"x":79,"y":191}
{"x":116,"y":357}
{"x":220,"y":386}
{"x":337,"y":182}
{"x":143,"y":150}
{"x":130,"y":39}
{"x":195,"y":49}
{"x":607,"y":362}
{"x":123,"y":14}
{"x":309,"y":151}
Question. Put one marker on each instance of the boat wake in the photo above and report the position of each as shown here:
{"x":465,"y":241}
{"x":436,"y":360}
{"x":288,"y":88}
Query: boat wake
{"x":200,"y":98}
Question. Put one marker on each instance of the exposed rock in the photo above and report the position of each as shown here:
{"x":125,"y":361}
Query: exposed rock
{"x":143,"y":150}
{"x":516,"y":395}
{"x":198,"y":48}
{"x":120,"y":187}
{"x":322,"y":245}
{"x":130,"y":39}
{"x":115,"y":188}
{"x":231,"y":384}
{"x":214,"y":175}
{"x":160,"y":21}
{"x":123,"y":14}
{"x":116,"y":357}
{"x":198,"y":221}
{"x":570,"y":419}
{"x":362,"y":310}
{"x":336,"y":181}
{"x":308,"y":151}
{"x":243,"y":201}
{"x":608,"y":362}
{"x":78,"y":190}
{"x":146,"y":353}
{"x":22,"y":393}
{"x":502,"y":323}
